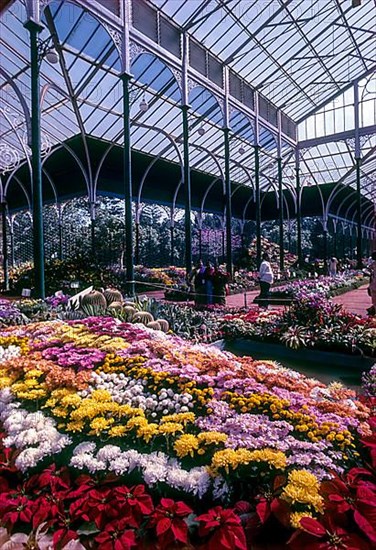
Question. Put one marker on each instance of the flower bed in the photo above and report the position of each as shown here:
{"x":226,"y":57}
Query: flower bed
{"x":322,"y":286}
{"x":116,"y":435}
{"x":82,"y":270}
{"x":312,"y":321}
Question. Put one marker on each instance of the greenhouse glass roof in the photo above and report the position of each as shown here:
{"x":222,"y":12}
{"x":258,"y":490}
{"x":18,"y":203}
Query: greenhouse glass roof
{"x":302,"y":57}
{"x":299,"y":53}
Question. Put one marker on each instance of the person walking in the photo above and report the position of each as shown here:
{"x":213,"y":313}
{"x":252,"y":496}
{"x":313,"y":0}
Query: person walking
{"x":266,"y":276}
{"x":332,"y":267}
{"x":372,"y":285}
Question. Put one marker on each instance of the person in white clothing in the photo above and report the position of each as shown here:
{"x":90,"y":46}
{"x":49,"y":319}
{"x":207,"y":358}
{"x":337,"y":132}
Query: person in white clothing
{"x":332,"y":266}
{"x":266,"y":276}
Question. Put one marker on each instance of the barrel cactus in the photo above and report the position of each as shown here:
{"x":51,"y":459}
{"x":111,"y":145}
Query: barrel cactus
{"x":154,"y":325}
{"x":94,"y":298}
{"x":142,"y":317}
{"x":163,"y":324}
{"x":115,"y":305}
{"x":112,"y":295}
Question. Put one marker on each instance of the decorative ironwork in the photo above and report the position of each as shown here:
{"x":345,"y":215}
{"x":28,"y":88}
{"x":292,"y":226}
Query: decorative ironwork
{"x":45,"y":144}
{"x":116,"y":37}
{"x":177,"y":74}
{"x":135,"y":50}
{"x":9,"y":158}
{"x":191,"y":84}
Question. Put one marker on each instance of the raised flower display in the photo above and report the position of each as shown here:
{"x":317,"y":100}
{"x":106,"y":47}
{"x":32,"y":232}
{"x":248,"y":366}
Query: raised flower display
{"x":116,"y":436}
{"x":311,"y":321}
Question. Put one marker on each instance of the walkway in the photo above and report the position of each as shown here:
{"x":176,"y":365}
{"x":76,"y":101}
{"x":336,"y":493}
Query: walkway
{"x":357,"y":301}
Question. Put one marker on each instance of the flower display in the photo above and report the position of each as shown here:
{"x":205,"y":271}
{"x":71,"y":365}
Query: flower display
{"x":135,"y":435}
{"x":311,"y":321}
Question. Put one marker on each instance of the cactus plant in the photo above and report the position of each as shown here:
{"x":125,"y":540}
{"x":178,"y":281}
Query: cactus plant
{"x":163,"y":324}
{"x":154,"y":325}
{"x":115,"y":305}
{"x":94,"y":298}
{"x":142,"y":317}
{"x":112,"y":295}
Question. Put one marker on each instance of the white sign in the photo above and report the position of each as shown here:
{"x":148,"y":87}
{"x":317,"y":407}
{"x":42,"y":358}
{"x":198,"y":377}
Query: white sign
{"x":26,"y":293}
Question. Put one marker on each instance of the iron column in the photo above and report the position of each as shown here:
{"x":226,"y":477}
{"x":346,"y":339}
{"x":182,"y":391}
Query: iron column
{"x":298,"y":210}
{"x":359,"y":244}
{"x":38,"y":238}
{"x":187,"y":191}
{"x":226,"y":133}
{"x":281,"y":239}
{"x":280,"y":192}
{"x":127,"y":175}
{"x":5,"y":244}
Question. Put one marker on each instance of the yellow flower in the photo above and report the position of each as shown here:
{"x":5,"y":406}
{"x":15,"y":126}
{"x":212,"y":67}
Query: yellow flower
{"x":185,"y":445}
{"x":60,"y":412}
{"x":184,"y":418}
{"x":136,"y":422}
{"x":71,"y":400}
{"x":147,"y":431}
{"x":76,"y":426}
{"x":209,"y":438}
{"x":100,"y":424}
{"x":101,"y":395}
{"x":272,"y":457}
{"x":170,"y":428}
{"x":117,"y":431}
{"x":5,"y":382}
{"x":230,"y":458}
{"x":303,"y":488}
{"x":33,"y":373}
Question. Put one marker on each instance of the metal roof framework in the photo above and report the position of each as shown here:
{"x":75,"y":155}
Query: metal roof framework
{"x":308,"y":55}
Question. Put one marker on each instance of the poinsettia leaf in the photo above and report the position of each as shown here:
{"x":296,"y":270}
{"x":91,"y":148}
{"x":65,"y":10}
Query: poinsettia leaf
{"x":263,"y":510}
{"x":180,"y":530}
{"x":367,"y":524}
{"x":163,"y":525}
{"x":312,"y":526}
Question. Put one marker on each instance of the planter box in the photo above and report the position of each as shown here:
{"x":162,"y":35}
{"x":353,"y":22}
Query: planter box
{"x":278,"y":352}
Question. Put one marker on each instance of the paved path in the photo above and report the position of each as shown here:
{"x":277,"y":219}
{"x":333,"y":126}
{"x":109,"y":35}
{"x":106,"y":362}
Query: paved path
{"x":357,"y":301}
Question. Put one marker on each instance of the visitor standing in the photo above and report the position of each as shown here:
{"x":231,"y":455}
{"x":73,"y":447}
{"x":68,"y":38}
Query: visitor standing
{"x":372,"y":285}
{"x":220,"y":281}
{"x":208,"y":275}
{"x":332,"y":266}
{"x":197,"y":277}
{"x":266,"y":276}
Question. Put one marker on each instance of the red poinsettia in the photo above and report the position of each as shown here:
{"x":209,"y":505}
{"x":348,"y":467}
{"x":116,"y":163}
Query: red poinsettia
{"x":168,"y":520}
{"x":134,"y":501}
{"x":15,"y":507}
{"x":51,"y":478}
{"x":116,"y":536}
{"x":224,"y":529}
{"x":354,"y":496}
{"x":325,"y":535}
{"x":63,"y":533}
{"x":99,"y":506}
{"x":7,"y":460}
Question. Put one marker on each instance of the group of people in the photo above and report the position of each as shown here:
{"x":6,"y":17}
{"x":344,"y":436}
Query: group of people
{"x":210,"y":284}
